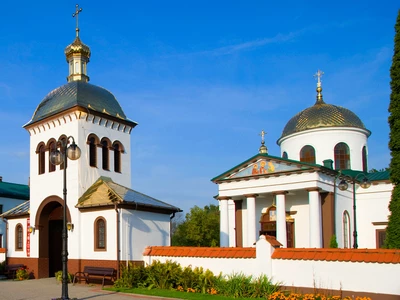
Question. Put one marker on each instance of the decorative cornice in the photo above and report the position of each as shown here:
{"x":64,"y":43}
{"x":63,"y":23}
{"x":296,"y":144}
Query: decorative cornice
{"x":80,"y":113}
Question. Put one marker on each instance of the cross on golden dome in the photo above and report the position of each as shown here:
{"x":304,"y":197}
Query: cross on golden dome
{"x":75,"y":14}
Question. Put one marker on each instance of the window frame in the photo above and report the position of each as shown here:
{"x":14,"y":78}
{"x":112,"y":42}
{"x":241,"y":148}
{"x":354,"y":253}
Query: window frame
{"x":97,"y":233}
{"x":93,"y":142}
{"x":105,"y":155}
{"x":378,"y":232}
{"x":307,"y":154}
{"x":342,"y":156}
{"x":19,"y":237}
{"x":364,"y":159}
{"x":41,"y":152}
{"x":346,"y":230}
{"x":118,"y":150}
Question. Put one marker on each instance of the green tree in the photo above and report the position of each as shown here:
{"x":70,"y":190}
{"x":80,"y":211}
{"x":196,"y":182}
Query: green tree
{"x":200,"y":228}
{"x":393,"y":229}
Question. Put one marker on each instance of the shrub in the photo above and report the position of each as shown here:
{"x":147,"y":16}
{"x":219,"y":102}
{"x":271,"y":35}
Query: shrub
{"x":164,"y":275}
{"x":22,"y":273}
{"x":58,"y":276}
{"x":333,"y":243}
{"x":132,"y":276}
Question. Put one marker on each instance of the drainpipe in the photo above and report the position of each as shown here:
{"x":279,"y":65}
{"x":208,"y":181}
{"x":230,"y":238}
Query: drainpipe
{"x":170,"y":224}
{"x":117,"y":225}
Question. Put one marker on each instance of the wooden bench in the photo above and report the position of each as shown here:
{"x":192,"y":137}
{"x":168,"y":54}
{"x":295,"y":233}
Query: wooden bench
{"x":89,"y":271}
{"x":11,"y":270}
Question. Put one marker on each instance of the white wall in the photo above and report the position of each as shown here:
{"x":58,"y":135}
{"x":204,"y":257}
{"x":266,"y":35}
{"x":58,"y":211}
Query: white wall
{"x":324,"y":141}
{"x":11,"y":252}
{"x":85,"y":234}
{"x":140,"y":229}
{"x":333,"y":275}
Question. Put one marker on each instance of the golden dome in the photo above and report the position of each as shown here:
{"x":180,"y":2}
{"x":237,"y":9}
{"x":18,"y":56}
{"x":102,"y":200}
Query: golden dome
{"x":322,"y":115}
{"x":77,"y":47}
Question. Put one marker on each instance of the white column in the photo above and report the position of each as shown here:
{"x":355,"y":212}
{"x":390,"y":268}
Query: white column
{"x":315,"y":219}
{"x":251,"y":220}
{"x":224,"y":222}
{"x":232,"y":223}
{"x":281,"y":219}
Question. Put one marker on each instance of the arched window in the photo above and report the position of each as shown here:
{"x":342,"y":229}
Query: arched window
{"x":342,"y":156}
{"x":41,"y":151}
{"x":19,"y":238}
{"x":284,"y":155}
{"x":118,"y":149}
{"x":92,"y":141}
{"x":364,"y":159}
{"x":52,"y":147}
{"x":307,"y":154}
{"x":105,"y":154}
{"x":346,"y":229}
{"x":100,"y":234}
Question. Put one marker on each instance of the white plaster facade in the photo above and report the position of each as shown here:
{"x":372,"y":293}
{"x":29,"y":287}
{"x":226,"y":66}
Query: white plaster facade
{"x":97,"y":184}
{"x":298,"y":187}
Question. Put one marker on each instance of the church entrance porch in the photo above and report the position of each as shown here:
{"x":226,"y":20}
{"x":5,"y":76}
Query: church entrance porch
{"x":268,"y":225}
{"x":55,"y":246}
{"x":49,"y":221}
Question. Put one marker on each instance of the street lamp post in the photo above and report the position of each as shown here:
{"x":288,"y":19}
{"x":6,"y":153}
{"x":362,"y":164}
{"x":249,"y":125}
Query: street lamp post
{"x":343,"y":185}
{"x":57,"y":157}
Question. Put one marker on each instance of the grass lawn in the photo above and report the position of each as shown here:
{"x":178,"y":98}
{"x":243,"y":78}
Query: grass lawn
{"x":169,"y":294}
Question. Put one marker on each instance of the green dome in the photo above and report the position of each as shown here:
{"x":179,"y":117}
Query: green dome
{"x":322,"y":115}
{"x":78,"y":93}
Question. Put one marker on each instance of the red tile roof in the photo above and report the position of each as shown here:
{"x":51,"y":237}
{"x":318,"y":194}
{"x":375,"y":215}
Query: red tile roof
{"x":354,"y":255}
{"x":211,"y":252}
{"x":2,"y":250}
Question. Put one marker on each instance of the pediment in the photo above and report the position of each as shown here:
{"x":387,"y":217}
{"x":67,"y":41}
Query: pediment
{"x":263,"y":165}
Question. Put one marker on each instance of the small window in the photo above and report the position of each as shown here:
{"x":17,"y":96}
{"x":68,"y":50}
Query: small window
{"x":92,"y":152}
{"x":1,"y":241}
{"x":342,"y":156}
{"x":380,"y":238}
{"x":41,"y":159}
{"x":105,"y":155}
{"x":346,"y":229}
{"x":117,"y":158}
{"x":100,"y":233}
{"x":1,"y":210}
{"x":364,"y":159}
{"x":284,"y":155}
{"x":307,"y":154}
{"x":19,"y":238}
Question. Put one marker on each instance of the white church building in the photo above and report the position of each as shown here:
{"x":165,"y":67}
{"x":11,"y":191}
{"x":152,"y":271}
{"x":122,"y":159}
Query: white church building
{"x":317,"y":188}
{"x":108,"y":222}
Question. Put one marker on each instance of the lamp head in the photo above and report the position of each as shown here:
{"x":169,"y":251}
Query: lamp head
{"x":365,"y":183}
{"x":343,"y":185}
{"x":56,"y":158}
{"x":73,"y":151}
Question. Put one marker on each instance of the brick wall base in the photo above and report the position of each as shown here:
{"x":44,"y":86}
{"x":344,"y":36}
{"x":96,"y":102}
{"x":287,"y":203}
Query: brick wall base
{"x":39,"y":267}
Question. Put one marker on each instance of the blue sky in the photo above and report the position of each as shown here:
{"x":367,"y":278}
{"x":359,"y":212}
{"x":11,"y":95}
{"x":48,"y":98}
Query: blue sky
{"x":202,"y":78}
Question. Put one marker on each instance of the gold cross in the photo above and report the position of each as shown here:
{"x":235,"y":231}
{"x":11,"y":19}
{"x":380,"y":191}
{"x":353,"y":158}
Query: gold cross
{"x":262,"y":133}
{"x":75,"y":14}
{"x":319,"y":75}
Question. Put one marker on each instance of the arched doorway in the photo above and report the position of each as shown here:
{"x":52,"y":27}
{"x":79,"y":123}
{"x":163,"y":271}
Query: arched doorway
{"x":49,"y":220}
{"x":268,"y":225}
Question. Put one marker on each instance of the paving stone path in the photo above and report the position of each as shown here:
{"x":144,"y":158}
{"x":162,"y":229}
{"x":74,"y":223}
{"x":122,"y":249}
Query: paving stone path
{"x":49,"y":288}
